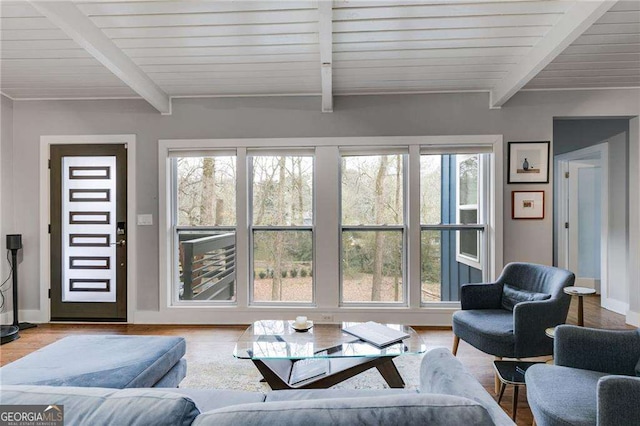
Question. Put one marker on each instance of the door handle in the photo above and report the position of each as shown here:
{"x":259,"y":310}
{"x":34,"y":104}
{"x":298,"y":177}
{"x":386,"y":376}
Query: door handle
{"x":120,"y":243}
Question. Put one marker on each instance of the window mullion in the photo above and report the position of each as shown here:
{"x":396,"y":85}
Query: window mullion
{"x":413,"y":234}
{"x":242,"y":229}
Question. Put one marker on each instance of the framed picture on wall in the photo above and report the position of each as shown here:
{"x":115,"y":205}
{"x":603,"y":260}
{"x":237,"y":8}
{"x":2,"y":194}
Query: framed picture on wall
{"x":527,"y":204}
{"x":528,"y":162}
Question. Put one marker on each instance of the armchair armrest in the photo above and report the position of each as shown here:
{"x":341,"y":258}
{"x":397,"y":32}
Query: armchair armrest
{"x":607,"y":351}
{"x":618,"y":398}
{"x":530,"y":319}
{"x":481,"y":296}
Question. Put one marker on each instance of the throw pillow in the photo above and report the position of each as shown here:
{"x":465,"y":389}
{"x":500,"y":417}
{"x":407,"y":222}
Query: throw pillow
{"x":512,"y":295}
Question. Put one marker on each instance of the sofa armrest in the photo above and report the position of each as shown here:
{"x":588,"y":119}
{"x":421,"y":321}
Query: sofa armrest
{"x":530,"y":319}
{"x":481,"y":296}
{"x":607,"y":351}
{"x":442,"y":373}
{"x":618,"y":398}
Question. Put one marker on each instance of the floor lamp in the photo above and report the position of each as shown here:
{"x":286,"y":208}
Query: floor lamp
{"x":10,"y":333}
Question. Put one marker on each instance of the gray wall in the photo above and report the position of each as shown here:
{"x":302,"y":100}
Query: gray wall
{"x":526,"y":117}
{"x":6,"y":187}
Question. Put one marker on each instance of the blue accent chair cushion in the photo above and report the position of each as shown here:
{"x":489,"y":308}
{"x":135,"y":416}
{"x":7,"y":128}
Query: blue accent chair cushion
{"x":519,"y":332}
{"x":107,"y":361}
{"x":593,"y":381}
{"x":512,"y":295}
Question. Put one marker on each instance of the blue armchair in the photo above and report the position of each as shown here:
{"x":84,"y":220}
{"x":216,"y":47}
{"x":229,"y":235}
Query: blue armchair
{"x":508,"y":318}
{"x":593,"y":381}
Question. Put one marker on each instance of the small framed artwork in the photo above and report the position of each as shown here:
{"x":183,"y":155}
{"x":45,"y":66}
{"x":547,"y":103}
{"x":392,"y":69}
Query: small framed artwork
{"x":528,"y":162}
{"x":527,"y":204}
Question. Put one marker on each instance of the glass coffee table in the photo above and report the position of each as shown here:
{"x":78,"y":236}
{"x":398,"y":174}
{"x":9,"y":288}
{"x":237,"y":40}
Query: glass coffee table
{"x":320,"y":357}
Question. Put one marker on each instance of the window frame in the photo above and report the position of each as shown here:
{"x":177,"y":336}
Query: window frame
{"x":175,"y":230}
{"x":286,"y":152}
{"x":400,"y":150}
{"x":464,"y":258}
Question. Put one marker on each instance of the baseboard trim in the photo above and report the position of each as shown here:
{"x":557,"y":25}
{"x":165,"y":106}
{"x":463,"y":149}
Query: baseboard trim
{"x":633,"y":318}
{"x":615,"y":306}
{"x":32,"y":315}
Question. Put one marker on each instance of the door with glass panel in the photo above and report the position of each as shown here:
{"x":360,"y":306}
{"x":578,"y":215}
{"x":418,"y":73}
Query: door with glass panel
{"x":88,"y":232}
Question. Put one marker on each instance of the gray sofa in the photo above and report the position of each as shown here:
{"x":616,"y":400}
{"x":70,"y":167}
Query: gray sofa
{"x":448,"y":395}
{"x":593,"y":381}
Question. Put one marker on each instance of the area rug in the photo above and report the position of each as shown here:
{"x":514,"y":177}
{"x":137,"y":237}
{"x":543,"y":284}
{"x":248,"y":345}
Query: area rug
{"x":220,"y":370}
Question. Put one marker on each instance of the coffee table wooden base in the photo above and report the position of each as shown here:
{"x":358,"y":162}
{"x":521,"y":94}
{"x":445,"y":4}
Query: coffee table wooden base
{"x":276,"y":372}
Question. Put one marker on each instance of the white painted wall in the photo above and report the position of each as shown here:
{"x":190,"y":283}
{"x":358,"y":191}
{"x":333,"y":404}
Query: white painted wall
{"x":618,"y":218}
{"x":6,"y":191}
{"x":633,"y":255}
{"x":526,"y":117}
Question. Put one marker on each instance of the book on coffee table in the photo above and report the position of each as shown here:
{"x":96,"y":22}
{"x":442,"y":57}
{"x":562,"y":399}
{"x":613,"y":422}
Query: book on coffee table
{"x":308,"y":368}
{"x":377,"y":334}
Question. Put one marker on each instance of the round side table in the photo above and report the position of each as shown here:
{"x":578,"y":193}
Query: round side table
{"x":580,"y":292}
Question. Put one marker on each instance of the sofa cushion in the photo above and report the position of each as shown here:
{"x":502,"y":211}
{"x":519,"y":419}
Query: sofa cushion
{"x":512,"y":295}
{"x":212,"y":399}
{"x":562,"y":395}
{"x":106,"y":361}
{"x":99,"y":406}
{"x":638,"y":368}
{"x":382,"y":410}
{"x":490,"y":330}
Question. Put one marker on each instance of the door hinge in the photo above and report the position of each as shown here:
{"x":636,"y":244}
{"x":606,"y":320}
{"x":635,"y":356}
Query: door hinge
{"x":49,"y":162}
{"x":566,"y":225}
{"x":49,"y":228}
{"x":566,"y":175}
{"x":49,"y":293}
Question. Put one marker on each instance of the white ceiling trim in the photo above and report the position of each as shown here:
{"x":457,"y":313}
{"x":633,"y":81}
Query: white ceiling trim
{"x":325,"y":36}
{"x":575,"y":22}
{"x":80,"y":28}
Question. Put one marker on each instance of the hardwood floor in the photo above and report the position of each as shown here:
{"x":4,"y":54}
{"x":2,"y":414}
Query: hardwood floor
{"x":199,"y":337}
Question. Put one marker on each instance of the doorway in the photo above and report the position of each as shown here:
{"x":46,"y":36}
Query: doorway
{"x":88,"y":227}
{"x":583,"y":223}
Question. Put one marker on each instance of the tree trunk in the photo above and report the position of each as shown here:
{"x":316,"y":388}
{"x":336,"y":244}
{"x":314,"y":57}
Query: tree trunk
{"x":208,"y":204}
{"x":300,"y":203}
{"x":276,"y":289}
{"x":378,"y":255}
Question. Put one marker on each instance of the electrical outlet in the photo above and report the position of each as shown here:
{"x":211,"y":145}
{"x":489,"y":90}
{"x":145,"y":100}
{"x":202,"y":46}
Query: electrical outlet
{"x":326,"y":318}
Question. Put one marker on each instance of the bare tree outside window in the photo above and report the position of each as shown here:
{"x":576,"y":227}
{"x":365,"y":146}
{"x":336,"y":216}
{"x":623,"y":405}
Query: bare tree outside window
{"x":282,"y":188}
{"x":205,"y":227}
{"x":373,"y":228}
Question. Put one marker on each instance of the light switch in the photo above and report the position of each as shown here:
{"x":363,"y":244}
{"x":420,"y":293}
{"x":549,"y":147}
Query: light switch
{"x":145,"y":219}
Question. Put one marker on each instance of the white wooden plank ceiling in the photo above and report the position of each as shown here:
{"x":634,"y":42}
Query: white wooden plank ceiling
{"x":38,"y":60}
{"x":606,"y":55}
{"x":245,"y":48}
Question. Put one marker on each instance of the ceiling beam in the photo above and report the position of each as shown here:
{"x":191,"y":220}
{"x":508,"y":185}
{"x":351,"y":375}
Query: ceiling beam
{"x":79,"y":27}
{"x":325,"y":32}
{"x":574,"y":22}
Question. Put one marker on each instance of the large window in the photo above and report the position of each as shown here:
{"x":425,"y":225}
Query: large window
{"x":326,"y":228}
{"x":373,"y":247}
{"x":204,"y":228}
{"x":282,"y":228}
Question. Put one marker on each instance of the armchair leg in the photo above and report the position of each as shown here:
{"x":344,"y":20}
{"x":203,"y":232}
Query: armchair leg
{"x":456,"y":342}
{"x":497,"y":382}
